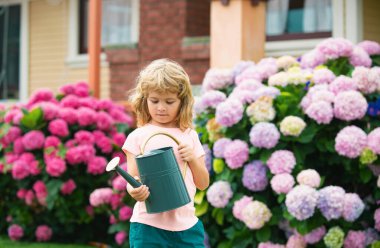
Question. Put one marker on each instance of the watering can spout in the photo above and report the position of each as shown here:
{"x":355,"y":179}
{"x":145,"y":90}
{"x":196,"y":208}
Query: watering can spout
{"x":114,"y":165}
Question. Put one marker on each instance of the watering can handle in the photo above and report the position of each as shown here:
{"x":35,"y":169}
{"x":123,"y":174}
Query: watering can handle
{"x":170,"y":136}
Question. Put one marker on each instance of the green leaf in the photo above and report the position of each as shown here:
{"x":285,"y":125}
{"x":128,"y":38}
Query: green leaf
{"x":365,"y":175}
{"x":121,"y":226}
{"x":49,"y":150}
{"x":376,"y":244}
{"x":375,"y":60}
{"x":225,"y":175}
{"x":4,"y":129}
{"x":281,"y":198}
{"x":253,"y":150}
{"x":218,"y":215}
{"x":276,"y":216}
{"x":122,"y":127}
{"x":265,"y":154}
{"x":53,"y":188}
{"x":220,"y":218}
{"x":302,"y":227}
{"x":218,"y":165}
{"x":308,"y":134}
{"x":24,"y":111}
{"x":244,"y":241}
{"x":62,"y":151}
{"x":33,"y":120}
{"x":330,"y":145}
{"x":199,"y":196}
{"x":230,"y":232}
{"x":263,"y":234}
{"x":225,"y":244}
{"x":201,"y":209}
{"x":287,"y":215}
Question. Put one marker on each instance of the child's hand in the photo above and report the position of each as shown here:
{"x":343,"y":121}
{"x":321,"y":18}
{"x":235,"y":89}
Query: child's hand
{"x":139,"y":194}
{"x":186,"y":152}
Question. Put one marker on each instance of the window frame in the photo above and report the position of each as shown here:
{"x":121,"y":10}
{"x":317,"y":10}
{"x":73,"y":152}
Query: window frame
{"x":24,"y":50}
{"x":347,"y":23}
{"x":77,"y":60}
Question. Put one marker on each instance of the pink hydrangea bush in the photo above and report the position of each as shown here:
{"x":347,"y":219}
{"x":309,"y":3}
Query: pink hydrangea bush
{"x":54,"y":152}
{"x":298,"y":143}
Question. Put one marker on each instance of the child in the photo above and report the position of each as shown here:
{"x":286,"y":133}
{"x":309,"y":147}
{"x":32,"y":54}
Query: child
{"x":163,"y":103}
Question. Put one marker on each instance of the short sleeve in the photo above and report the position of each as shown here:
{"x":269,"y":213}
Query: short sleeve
{"x":131,"y":144}
{"x":198,"y":148}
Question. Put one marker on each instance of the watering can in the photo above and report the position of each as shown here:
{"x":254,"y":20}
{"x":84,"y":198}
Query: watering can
{"x":160,"y":171}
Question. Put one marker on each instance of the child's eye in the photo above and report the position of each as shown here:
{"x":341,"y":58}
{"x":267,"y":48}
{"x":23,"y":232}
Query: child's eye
{"x":169,"y":103}
{"x":154,"y":102}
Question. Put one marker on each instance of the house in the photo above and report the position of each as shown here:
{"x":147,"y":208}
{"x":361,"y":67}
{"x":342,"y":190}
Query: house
{"x":44,"y":42}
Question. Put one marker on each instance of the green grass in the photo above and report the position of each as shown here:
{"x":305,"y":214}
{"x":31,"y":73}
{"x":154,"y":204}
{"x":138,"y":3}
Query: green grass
{"x":6,"y":243}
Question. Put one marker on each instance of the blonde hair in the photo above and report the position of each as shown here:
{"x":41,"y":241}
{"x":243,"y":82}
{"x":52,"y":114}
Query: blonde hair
{"x":163,"y":75}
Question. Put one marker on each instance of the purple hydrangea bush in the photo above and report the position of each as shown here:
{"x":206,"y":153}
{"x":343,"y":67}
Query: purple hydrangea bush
{"x":298,"y":145}
{"x":53,"y":183}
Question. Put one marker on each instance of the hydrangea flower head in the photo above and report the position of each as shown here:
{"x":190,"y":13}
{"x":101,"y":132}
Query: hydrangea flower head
{"x":281,"y":161}
{"x":353,"y":207}
{"x":331,"y":202}
{"x":315,"y":235}
{"x":229,"y":113}
{"x":264,"y":135}
{"x":350,"y":105}
{"x":292,"y":126}
{"x":334,"y":237}
{"x":355,"y":239}
{"x":219,"y":194}
{"x":236,"y":153}
{"x":374,"y":140}
{"x":216,"y":79}
{"x":282,"y":183}
{"x":255,"y":215}
{"x":254,"y":176}
{"x":309,"y":177}
{"x":239,"y":205}
{"x":219,"y":147}
{"x":350,"y":142}
{"x":301,"y":201}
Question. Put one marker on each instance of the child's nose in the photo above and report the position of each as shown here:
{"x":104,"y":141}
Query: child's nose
{"x":161,"y":107}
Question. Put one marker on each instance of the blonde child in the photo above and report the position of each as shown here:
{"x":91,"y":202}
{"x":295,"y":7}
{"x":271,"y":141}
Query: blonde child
{"x":163,"y":102}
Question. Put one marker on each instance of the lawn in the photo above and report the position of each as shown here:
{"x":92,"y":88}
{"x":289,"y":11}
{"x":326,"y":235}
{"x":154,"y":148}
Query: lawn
{"x":6,"y":243}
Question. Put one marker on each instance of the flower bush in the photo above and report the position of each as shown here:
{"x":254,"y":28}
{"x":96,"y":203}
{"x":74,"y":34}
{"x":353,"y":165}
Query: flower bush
{"x":54,"y":152}
{"x":293,"y":146}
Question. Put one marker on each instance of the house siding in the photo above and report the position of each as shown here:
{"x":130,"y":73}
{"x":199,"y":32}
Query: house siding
{"x":48,"y":47}
{"x":371,"y":20}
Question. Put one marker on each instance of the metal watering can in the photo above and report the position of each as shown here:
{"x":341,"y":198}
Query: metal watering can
{"x":160,"y":171}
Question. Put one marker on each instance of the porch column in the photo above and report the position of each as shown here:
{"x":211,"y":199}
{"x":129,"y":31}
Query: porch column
{"x":237,"y":32}
{"x":94,"y":43}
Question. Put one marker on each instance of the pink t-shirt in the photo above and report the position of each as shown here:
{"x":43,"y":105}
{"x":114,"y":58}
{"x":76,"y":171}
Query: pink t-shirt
{"x":181,"y":218}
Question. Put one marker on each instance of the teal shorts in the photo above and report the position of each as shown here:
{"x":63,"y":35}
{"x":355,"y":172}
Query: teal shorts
{"x":145,"y":236}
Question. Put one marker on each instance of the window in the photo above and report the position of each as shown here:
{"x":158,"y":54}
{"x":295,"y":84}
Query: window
{"x":298,"y":19}
{"x":119,"y":23}
{"x":10,"y":31}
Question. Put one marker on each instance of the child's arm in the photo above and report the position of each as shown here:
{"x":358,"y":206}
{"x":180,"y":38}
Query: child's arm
{"x":197,"y":166}
{"x":141,"y":193}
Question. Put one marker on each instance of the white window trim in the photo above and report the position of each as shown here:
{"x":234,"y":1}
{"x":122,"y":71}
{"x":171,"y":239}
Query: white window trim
{"x":347,"y":23}
{"x":24,"y":49}
{"x":76,"y":60}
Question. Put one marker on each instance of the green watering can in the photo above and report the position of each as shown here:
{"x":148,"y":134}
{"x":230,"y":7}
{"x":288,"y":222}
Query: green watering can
{"x":160,"y":171}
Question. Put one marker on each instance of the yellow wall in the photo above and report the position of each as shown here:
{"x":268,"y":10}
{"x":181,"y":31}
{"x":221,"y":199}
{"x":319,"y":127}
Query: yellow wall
{"x":371,"y":20}
{"x":48,"y":49}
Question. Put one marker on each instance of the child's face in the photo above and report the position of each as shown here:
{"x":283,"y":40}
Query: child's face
{"x":163,"y":108}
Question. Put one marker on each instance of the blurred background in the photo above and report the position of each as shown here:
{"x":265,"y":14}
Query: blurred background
{"x":44,"y":42}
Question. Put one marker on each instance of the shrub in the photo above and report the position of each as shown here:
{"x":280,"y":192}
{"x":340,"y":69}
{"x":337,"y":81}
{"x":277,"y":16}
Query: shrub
{"x":295,"y":140}
{"x":54,"y":152}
